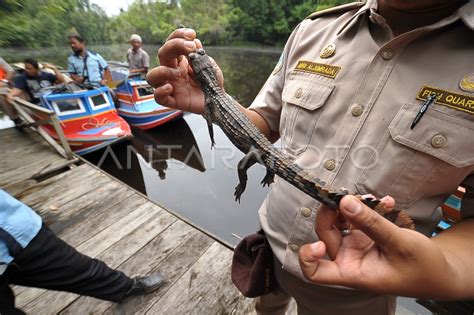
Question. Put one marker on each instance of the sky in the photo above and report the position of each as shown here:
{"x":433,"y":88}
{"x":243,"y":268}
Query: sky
{"x":112,"y":7}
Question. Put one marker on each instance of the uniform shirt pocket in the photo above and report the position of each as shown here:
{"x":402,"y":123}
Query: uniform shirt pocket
{"x":303,"y":96}
{"x":429,"y":160}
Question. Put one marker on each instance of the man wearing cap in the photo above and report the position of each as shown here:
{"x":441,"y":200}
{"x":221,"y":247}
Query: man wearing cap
{"x":345,"y":100}
{"x":138,"y":59}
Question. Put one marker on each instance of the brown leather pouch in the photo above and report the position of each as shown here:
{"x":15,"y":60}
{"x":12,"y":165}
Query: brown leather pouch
{"x":252,"y":266}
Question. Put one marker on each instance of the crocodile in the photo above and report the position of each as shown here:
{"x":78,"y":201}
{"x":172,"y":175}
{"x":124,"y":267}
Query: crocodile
{"x":222,"y":109}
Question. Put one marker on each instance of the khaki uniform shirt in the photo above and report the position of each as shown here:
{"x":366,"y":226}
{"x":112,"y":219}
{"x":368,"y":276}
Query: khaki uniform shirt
{"x":345,"y":116}
{"x":138,"y":59}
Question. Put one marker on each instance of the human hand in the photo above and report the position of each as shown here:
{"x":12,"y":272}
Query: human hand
{"x":376,"y":255}
{"x":103,"y":82}
{"x":173,"y":79}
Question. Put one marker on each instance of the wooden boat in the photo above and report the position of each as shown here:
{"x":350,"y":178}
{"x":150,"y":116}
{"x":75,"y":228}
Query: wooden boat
{"x":135,"y":101}
{"x":87,"y":115}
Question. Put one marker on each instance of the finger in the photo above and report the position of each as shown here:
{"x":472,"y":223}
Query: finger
{"x":174,"y":48}
{"x":383,"y":232}
{"x":186,"y":33}
{"x":198,"y":43}
{"x":161,"y":75}
{"x":317,"y":269}
{"x":163,"y":96}
{"x":326,"y":230}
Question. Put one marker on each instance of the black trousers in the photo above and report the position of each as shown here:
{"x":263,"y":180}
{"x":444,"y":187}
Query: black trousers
{"x":50,"y":263}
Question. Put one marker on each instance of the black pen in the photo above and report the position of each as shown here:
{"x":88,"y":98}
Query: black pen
{"x":430,"y":100}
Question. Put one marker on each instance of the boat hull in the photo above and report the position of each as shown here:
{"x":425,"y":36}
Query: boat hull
{"x":87,"y":126}
{"x":146,"y":121}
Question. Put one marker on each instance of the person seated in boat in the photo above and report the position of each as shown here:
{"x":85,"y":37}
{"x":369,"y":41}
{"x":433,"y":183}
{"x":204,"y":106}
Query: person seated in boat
{"x":28,"y":85}
{"x":138,"y":59}
{"x":32,"y":255}
{"x":86,"y":66}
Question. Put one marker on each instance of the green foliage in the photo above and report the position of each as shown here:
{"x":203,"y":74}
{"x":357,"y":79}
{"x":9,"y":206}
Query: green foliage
{"x":36,"y":23}
{"x":39,"y":23}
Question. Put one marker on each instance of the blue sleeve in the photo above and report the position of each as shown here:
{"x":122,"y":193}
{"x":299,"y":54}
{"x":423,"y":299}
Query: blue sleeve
{"x":70,"y":66}
{"x":102,"y":61}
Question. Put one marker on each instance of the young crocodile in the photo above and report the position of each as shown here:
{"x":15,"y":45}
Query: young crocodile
{"x":222,"y":110}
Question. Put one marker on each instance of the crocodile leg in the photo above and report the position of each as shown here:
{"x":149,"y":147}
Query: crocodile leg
{"x":247,"y":161}
{"x":208,"y":117}
{"x":269,"y":178}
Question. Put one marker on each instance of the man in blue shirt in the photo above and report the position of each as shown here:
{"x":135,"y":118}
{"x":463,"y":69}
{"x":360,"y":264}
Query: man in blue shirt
{"x":32,"y":255}
{"x":29,"y":84}
{"x":86,"y":66}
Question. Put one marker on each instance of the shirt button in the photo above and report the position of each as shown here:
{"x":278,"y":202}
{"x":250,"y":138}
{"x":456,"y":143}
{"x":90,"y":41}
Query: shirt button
{"x":387,"y":54}
{"x":438,"y":141}
{"x":298,"y":93}
{"x":294,"y":247}
{"x":357,"y":110}
{"x":330,"y":165}
{"x":306,"y":212}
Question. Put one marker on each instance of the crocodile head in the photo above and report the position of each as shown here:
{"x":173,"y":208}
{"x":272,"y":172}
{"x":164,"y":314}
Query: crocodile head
{"x":200,"y":61}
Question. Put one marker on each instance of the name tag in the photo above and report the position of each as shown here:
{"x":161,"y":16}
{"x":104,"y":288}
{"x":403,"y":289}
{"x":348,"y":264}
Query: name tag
{"x":318,"y":68}
{"x":450,"y":99}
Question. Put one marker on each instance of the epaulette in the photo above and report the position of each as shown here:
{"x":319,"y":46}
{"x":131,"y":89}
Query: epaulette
{"x":339,"y":9}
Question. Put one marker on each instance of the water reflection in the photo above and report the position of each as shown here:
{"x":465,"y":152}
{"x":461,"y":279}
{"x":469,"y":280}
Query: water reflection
{"x":172,"y":141}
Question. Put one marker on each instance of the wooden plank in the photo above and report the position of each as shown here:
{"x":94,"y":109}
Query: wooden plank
{"x":113,"y":256}
{"x":99,"y":220}
{"x":190,"y":294}
{"x":87,"y":206}
{"x":27,"y":159}
{"x":171,"y":252}
{"x":100,"y":242}
{"x":19,"y":186}
{"x":63,"y":188}
{"x":27,"y":170}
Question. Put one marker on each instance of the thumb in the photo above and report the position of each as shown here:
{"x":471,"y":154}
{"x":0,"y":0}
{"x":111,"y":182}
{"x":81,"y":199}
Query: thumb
{"x":383,"y":232}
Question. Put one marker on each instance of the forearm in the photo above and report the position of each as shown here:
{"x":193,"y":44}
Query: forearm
{"x":457,"y":245}
{"x":59,"y":76}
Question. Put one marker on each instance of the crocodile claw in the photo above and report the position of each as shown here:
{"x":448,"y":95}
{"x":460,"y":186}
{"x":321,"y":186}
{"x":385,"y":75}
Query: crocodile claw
{"x":239,"y":190}
{"x":267,"y":180}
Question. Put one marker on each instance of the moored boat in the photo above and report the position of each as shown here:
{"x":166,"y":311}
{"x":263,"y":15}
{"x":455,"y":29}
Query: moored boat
{"x":137,"y":105}
{"x":88,"y":117}
{"x":135,"y":101}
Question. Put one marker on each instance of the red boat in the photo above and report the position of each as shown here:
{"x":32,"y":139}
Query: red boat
{"x":88,"y":117}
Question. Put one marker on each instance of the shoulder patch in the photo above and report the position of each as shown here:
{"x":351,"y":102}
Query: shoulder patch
{"x":339,"y":9}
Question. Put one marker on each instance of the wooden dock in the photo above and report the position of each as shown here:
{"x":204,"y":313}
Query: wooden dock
{"x":106,"y":219}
